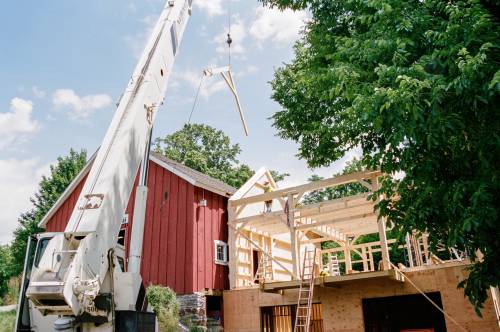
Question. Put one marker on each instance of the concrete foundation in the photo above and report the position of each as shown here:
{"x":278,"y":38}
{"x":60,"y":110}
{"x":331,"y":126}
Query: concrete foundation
{"x":342,"y":304}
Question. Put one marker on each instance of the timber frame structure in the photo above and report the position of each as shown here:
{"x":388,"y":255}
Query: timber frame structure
{"x":291,"y":228}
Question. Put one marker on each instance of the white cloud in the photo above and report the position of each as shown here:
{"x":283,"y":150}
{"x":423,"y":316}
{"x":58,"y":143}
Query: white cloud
{"x":137,"y":42}
{"x":79,"y":108}
{"x":211,"y":7}
{"x":238,"y":36}
{"x":38,"y":92}
{"x":18,"y":124}
{"x":280,"y":27}
{"x":248,"y":70}
{"x":19,"y":179}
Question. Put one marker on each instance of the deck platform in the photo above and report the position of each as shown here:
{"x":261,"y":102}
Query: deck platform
{"x":334,"y":280}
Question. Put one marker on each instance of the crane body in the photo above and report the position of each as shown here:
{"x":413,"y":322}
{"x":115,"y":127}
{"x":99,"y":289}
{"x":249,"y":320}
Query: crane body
{"x":77,"y":272}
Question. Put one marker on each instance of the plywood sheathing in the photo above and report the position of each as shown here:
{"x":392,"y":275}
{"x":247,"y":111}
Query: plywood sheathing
{"x":342,"y":305}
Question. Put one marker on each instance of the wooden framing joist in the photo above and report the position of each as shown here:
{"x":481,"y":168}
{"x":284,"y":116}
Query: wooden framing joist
{"x":361,"y":218}
{"x":333,"y":280}
{"x":299,"y":190}
{"x":340,"y":205}
{"x":262,"y":218}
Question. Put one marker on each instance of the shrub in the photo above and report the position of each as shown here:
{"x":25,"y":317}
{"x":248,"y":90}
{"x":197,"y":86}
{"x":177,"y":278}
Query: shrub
{"x":7,"y":321}
{"x":166,"y":307}
{"x":12,"y":295}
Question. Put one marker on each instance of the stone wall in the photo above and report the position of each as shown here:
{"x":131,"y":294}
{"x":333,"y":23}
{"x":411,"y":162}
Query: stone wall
{"x":342,"y":304}
{"x":193,"y":309}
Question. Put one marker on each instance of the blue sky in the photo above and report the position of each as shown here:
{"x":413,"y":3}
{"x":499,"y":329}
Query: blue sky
{"x":65,"y":64}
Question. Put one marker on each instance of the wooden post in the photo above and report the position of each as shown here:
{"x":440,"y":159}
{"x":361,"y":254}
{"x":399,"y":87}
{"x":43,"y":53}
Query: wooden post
{"x":273,"y":249}
{"x":382,"y":233}
{"x":347,"y":257}
{"x":365,"y":262}
{"x":408,"y":250}
{"x":426,"y":248}
{"x":293,"y":236}
{"x":372,"y":263}
{"x":233,"y":249}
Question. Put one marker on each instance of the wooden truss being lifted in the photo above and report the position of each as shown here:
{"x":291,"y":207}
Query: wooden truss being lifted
{"x":225,"y":72}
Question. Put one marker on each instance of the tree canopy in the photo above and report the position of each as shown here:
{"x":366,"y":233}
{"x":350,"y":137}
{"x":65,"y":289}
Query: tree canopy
{"x":49,"y":190}
{"x":209,"y":151}
{"x":416,"y":85}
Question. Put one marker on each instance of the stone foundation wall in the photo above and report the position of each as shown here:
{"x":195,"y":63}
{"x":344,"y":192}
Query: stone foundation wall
{"x":342,"y":304}
{"x":193,"y":309}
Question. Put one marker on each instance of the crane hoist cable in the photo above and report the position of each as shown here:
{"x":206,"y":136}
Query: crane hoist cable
{"x":229,"y":41}
{"x":226,"y":74}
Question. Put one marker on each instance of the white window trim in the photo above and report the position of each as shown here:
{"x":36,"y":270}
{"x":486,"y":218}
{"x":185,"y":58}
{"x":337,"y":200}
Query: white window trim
{"x":218,"y":243}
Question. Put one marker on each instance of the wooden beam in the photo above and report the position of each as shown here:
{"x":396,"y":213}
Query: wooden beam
{"x":321,"y":240}
{"x":245,"y":188}
{"x":335,"y":205}
{"x":315,"y":185}
{"x":267,"y":217}
{"x":356,"y":218}
{"x":326,"y":217}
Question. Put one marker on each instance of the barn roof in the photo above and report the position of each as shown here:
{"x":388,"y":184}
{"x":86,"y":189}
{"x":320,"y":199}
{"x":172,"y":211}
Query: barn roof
{"x":193,"y":176}
{"x":190,"y":175}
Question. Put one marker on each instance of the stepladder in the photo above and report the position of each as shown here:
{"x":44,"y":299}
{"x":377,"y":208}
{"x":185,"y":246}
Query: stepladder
{"x":306,"y":290}
{"x":264,"y":270}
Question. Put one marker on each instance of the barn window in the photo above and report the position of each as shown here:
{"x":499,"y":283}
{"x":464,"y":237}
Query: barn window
{"x":221,"y":255}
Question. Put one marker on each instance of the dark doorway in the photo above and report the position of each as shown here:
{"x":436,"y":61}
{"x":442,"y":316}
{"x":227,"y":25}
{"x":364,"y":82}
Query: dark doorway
{"x":255,"y":261}
{"x":215,"y":316}
{"x":403,"y":313}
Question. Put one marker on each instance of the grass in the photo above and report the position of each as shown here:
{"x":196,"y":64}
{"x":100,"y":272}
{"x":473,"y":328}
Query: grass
{"x":7,"y":321}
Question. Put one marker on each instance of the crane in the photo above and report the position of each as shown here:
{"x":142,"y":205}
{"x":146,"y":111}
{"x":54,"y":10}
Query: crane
{"x":76,"y":274}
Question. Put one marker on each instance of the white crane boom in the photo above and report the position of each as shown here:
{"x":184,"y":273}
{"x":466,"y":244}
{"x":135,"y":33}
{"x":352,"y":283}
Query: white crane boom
{"x":75,"y":265}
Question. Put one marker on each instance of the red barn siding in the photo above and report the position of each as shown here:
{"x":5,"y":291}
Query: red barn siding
{"x":59,"y":220}
{"x":179,"y":234}
{"x":210,"y":224}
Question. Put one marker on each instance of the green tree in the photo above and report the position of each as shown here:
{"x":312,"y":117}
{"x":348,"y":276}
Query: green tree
{"x":209,"y":151}
{"x":165,"y":305}
{"x":416,"y":85}
{"x":6,"y":265}
{"x":49,"y":190}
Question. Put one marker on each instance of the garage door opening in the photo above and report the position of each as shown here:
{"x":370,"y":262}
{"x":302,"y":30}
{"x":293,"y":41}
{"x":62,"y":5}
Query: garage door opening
{"x":404,"y":313}
{"x":282,"y":318}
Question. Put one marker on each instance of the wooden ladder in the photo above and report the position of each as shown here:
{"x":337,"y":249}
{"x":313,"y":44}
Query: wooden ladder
{"x":303,"y":314}
{"x":264,"y":270}
{"x":334,"y":266}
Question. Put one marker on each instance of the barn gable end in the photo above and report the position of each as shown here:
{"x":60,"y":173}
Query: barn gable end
{"x":179,"y":234}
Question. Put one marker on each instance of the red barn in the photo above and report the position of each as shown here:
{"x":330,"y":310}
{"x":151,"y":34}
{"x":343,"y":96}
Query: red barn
{"x":185,"y":226}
